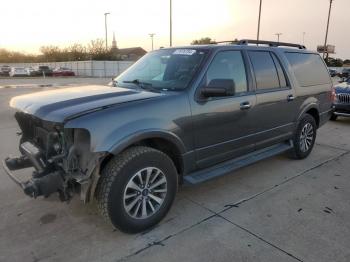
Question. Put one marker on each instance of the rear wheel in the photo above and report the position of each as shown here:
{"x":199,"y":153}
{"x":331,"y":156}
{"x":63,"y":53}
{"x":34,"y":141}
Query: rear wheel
{"x":304,"y":137}
{"x":137,"y":188}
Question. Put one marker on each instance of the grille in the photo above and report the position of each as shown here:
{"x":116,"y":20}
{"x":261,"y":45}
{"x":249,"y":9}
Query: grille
{"x":344,"y":98}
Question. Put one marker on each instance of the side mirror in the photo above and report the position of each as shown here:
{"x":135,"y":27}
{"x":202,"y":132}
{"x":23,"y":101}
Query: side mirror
{"x":218,"y":88}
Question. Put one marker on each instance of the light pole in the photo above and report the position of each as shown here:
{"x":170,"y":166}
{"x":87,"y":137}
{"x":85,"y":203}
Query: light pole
{"x":171,"y":24}
{"x":325,"y":40}
{"x":106,"y":30}
{"x":304,"y":38}
{"x":152,"y":35}
{"x":278,"y":36}
{"x":258,"y":34}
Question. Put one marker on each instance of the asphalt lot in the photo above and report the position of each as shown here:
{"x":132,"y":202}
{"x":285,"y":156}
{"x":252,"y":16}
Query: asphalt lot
{"x":275,"y":210}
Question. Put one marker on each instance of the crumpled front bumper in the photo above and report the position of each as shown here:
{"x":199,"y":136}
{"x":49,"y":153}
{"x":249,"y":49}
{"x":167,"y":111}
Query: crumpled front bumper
{"x":43,"y":181}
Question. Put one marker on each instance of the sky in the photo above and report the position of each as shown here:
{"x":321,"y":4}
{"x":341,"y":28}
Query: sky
{"x":31,"y":24}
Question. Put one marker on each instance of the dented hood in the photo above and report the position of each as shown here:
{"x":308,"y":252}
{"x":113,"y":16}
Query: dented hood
{"x":60,"y":104}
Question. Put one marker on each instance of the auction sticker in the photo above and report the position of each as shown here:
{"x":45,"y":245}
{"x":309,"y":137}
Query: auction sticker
{"x":184,"y":52}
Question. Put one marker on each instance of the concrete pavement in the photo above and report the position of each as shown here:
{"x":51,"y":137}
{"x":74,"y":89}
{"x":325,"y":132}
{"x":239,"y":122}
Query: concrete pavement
{"x":276,"y":210}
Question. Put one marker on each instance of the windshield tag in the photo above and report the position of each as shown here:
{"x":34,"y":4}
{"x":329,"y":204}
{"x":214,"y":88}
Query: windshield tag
{"x":184,"y":52}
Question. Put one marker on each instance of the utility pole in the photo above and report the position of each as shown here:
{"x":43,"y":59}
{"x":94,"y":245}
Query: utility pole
{"x":106,"y":30}
{"x":258,"y":34}
{"x":152,"y":35}
{"x":171,"y":23}
{"x":278,"y":36}
{"x":325,"y":52}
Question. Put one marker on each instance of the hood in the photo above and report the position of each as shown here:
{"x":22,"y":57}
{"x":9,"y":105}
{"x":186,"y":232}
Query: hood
{"x":343,"y":88}
{"x":60,"y":104}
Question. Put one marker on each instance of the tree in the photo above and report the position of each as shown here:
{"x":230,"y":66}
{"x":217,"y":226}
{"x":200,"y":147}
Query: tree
{"x":51,"y":53}
{"x":346,"y":61}
{"x":334,"y":62}
{"x":97,"y":50}
{"x":77,"y":52}
{"x":202,"y":41}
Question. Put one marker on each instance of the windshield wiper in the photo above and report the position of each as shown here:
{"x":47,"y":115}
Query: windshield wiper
{"x":143,"y":85}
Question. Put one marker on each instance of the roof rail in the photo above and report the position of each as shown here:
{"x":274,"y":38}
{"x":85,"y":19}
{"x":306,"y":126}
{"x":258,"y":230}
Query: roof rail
{"x":269,"y":43}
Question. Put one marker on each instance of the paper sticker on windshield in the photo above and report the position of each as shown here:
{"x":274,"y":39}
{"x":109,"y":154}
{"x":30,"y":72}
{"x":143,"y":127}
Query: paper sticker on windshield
{"x":184,"y":52}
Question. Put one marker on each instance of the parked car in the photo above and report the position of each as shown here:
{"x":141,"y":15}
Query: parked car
{"x":332,"y":72}
{"x":42,"y":71}
{"x":63,"y":71}
{"x":178,"y":115}
{"x":18,"y":71}
{"x":5,"y":70}
{"x":345,"y":73}
{"x":341,"y":103}
{"x":30,"y":71}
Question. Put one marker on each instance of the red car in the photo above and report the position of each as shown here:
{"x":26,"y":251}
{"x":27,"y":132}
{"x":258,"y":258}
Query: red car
{"x":62,"y":71}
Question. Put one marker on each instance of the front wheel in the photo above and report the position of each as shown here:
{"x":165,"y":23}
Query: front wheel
{"x":137,"y":188}
{"x":304,"y":137}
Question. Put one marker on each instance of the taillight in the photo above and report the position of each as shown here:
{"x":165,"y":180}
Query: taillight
{"x":333,"y":95}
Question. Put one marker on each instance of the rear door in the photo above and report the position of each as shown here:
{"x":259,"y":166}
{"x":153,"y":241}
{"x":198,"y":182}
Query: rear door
{"x":275,"y":109}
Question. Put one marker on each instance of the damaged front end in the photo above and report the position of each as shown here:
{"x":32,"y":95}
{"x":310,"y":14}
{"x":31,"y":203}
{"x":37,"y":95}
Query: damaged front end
{"x":61,"y":159}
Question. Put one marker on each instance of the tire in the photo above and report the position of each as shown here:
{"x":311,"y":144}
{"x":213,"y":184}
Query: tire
{"x":307,"y":125}
{"x":120,"y":196}
{"x":334,"y":117}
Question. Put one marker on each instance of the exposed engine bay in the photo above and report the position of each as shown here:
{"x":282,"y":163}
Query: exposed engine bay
{"x":61,"y":159}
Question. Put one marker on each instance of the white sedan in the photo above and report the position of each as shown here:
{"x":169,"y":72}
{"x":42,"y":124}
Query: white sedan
{"x":18,"y":71}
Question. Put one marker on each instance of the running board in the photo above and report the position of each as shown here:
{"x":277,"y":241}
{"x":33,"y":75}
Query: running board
{"x":231,"y":165}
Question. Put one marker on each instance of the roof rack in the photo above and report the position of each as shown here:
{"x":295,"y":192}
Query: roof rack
{"x":269,"y":43}
{"x":262,"y":42}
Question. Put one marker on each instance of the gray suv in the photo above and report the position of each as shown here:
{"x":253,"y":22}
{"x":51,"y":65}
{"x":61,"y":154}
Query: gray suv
{"x":178,"y":115}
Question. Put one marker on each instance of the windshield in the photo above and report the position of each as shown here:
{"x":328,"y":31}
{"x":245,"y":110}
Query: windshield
{"x":171,"y":69}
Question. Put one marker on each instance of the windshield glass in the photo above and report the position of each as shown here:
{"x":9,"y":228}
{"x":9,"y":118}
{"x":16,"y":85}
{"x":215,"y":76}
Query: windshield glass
{"x":171,"y":69}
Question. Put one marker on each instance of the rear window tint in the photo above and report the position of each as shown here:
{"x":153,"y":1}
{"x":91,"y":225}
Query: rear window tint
{"x":309,"y":69}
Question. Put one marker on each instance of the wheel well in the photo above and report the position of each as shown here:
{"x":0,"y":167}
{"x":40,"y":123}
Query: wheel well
{"x":160,"y":144}
{"x":167,"y":147}
{"x":314,"y":113}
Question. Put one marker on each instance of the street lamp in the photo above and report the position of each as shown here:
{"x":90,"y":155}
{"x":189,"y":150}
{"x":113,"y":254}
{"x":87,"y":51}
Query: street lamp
{"x":278,"y":36}
{"x":152,"y":35}
{"x":258,"y":34}
{"x":106,"y":29}
{"x":325,"y":41}
{"x":171,"y":24}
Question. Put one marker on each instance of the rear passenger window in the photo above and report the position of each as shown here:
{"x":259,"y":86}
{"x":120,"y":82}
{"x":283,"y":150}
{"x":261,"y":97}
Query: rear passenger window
{"x":281,"y":75}
{"x":309,"y":69}
{"x":266,"y":74}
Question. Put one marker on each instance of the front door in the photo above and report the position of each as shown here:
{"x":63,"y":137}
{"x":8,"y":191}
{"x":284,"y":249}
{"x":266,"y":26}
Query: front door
{"x":222,"y":125}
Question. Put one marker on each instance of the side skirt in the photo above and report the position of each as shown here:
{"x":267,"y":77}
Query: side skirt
{"x":234,"y":164}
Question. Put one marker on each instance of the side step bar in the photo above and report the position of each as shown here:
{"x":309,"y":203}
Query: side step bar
{"x":231,"y":165}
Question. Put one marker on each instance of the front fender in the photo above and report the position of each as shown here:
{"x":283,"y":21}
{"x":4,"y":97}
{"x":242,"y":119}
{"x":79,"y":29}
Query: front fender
{"x":126,"y":141}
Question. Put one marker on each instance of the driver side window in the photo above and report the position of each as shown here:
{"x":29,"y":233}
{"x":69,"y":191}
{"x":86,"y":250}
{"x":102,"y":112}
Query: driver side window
{"x":229,"y":65}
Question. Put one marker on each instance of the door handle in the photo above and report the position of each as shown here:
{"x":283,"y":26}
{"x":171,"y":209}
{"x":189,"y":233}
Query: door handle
{"x":290,"y":98}
{"x":245,"y":105}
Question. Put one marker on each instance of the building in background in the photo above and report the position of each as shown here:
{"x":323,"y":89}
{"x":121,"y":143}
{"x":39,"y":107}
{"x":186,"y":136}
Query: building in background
{"x":126,"y":54}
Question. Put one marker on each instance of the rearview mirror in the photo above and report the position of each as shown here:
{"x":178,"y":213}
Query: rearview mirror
{"x":218,"y":88}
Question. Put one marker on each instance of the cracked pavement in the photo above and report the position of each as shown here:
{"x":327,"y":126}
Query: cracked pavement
{"x":275,"y":210}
